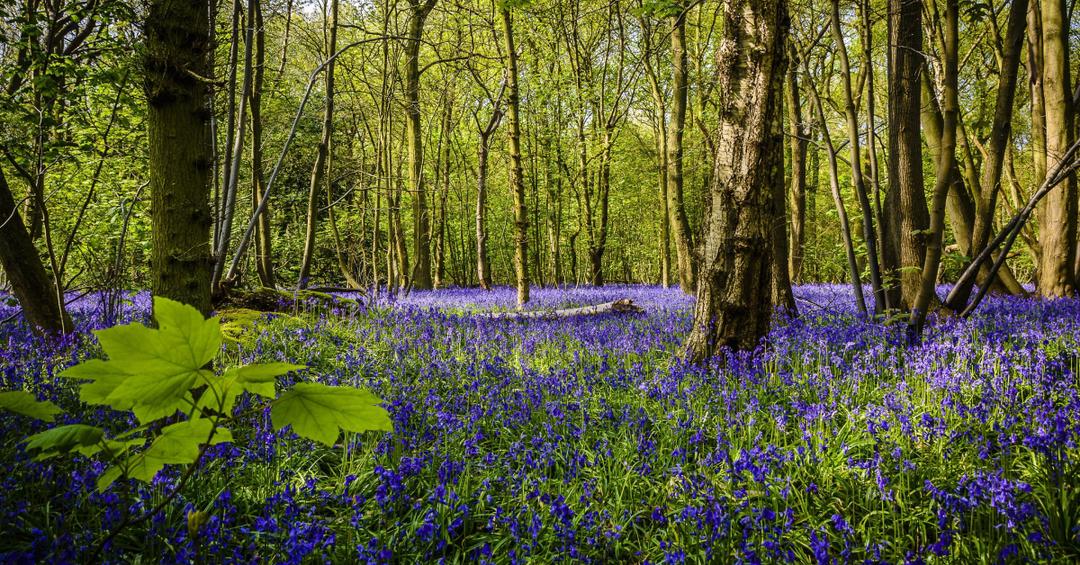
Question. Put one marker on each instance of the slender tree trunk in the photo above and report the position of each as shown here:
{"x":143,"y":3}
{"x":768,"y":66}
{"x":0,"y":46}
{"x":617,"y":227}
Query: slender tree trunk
{"x":442,"y":193}
{"x":799,"y":142}
{"x":232,"y":184}
{"x":421,"y":216}
{"x":905,"y":217}
{"x":483,"y":268}
{"x":1057,"y":212}
{"x":857,"y":181}
{"x":838,"y":200}
{"x":177,"y":51}
{"x":1000,"y":135}
{"x":733,"y":299}
{"x":780,"y":278}
{"x":41,"y":302}
{"x":318,"y":172}
{"x":927,"y":296}
{"x":676,"y":205}
{"x":264,"y":258}
{"x":517,"y":183}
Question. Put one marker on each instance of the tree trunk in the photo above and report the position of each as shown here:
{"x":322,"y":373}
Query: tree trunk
{"x":318,"y":172}
{"x":1000,"y":135}
{"x":906,"y":217}
{"x":857,"y":181}
{"x":676,"y":206}
{"x":517,"y":182}
{"x":264,"y":259}
{"x":926,"y":297}
{"x":177,"y":52}
{"x":733,"y":307}
{"x":483,"y":268}
{"x":838,"y":200}
{"x":421,"y":218}
{"x":442,"y":193}
{"x":1057,"y":213}
{"x":41,"y":302}
{"x":799,"y":143}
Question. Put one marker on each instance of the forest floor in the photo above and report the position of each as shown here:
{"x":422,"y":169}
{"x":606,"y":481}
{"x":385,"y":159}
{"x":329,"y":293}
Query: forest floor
{"x":586,"y":439}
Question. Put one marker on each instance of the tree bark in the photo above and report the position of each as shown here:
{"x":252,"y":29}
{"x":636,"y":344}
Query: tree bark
{"x":421,"y":220}
{"x":318,"y":171}
{"x":798,"y":146}
{"x":680,"y":225}
{"x":733,"y":307}
{"x":906,"y":217}
{"x":857,"y":181}
{"x":1000,"y":135}
{"x":264,"y":258}
{"x":41,"y":302}
{"x":177,"y":54}
{"x":517,"y":182}
{"x":926,"y":296}
{"x":1057,"y":213}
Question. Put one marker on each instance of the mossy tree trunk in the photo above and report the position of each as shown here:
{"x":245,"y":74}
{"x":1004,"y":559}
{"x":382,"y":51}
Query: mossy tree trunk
{"x":178,"y":117}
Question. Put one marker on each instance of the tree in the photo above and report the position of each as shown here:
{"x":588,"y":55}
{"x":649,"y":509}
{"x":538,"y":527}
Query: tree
{"x":906,"y":217}
{"x":1057,"y":213}
{"x":177,"y":70}
{"x":517,"y":183}
{"x":733,"y":293}
{"x":421,"y":217}
{"x":676,"y":205}
{"x":42,"y":304}
{"x":322,"y":155}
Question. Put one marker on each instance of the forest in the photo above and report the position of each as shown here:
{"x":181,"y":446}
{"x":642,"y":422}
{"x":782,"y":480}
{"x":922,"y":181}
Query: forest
{"x":525,"y":281}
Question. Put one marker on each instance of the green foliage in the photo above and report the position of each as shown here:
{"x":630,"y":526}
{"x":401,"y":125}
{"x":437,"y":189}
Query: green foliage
{"x":159,"y":372}
{"x":316,"y":411}
{"x":22,"y":402}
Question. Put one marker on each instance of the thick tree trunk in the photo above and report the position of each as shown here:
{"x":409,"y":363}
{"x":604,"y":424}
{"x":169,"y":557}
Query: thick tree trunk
{"x":733,"y":307}
{"x":42,"y":304}
{"x":680,"y":225}
{"x":517,"y":182}
{"x":906,"y":217}
{"x":1057,"y":213}
{"x":177,"y":56}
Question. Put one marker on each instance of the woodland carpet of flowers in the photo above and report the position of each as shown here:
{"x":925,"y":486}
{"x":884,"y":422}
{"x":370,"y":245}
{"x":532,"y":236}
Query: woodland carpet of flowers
{"x":587,"y":440}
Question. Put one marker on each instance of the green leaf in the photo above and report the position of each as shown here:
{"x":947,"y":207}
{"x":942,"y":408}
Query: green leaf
{"x":105,"y":376}
{"x":22,"y":402}
{"x":178,"y":444}
{"x":161,"y":364}
{"x":260,"y":379}
{"x":62,"y":439}
{"x":318,"y":412}
{"x":108,"y":477}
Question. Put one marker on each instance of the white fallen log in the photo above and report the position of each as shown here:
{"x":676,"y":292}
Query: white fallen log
{"x":623,"y":306}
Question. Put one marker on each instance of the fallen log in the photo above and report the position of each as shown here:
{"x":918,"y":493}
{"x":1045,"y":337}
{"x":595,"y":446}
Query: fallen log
{"x":623,"y":306}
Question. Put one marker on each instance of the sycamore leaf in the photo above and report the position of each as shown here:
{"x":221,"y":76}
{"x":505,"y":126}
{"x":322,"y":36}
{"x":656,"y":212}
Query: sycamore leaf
{"x":318,"y":412}
{"x":161,"y":365}
{"x":62,"y":439}
{"x":105,"y":376}
{"x":22,"y":402}
{"x":260,"y":379}
{"x":178,"y":444}
{"x":108,"y":477}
